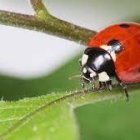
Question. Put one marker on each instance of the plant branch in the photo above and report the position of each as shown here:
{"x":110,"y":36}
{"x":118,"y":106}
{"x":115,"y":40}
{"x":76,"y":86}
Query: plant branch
{"x":38,"y":6}
{"x":42,"y":21}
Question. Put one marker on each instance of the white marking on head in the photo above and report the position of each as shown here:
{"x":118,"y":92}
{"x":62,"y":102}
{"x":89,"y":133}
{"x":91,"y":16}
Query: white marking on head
{"x":84,"y":70}
{"x":84,"y":59}
{"x":109,"y":49}
{"x":105,"y":47}
{"x":103,"y":77}
{"x":113,"y":55}
{"x":92,"y":74}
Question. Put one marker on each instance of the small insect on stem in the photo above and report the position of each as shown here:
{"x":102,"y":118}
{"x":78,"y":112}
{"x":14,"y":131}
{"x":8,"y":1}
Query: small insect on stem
{"x":112,"y":54}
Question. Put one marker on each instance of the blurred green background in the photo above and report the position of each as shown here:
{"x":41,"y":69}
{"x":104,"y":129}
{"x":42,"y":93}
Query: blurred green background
{"x":100,"y":121}
{"x":110,"y":121}
{"x":12,"y":88}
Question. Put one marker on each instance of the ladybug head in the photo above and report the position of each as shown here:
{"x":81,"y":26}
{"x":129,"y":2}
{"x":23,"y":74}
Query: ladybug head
{"x":96,"y":64}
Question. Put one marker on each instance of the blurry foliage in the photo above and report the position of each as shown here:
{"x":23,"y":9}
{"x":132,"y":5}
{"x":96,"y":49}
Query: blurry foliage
{"x":14,"y":88}
{"x":36,"y":119}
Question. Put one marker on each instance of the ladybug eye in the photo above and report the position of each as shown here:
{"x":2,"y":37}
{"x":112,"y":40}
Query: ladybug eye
{"x":115,"y":46}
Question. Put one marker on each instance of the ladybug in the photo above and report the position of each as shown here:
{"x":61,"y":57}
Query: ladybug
{"x":113,"y":53}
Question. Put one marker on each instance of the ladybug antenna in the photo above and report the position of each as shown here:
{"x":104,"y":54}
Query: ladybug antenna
{"x":73,"y":77}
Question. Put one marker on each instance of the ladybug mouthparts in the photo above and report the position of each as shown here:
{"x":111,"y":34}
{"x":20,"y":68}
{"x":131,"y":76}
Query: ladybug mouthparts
{"x":88,"y":74}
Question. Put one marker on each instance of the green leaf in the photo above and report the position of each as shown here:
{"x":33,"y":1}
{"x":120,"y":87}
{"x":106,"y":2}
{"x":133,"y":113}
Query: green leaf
{"x":110,"y":120}
{"x":35,"y":119}
{"x":48,"y":117}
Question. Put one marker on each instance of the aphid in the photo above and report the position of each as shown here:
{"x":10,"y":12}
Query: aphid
{"x":113,"y":52}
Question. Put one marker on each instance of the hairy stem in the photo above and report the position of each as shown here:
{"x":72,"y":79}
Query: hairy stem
{"x":42,"y":21}
{"x":38,"y":6}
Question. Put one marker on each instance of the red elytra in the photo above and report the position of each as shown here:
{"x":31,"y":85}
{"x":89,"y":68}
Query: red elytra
{"x":127,"y":64}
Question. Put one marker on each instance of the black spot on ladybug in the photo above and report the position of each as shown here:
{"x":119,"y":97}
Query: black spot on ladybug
{"x":124,"y":25}
{"x":116,"y":45}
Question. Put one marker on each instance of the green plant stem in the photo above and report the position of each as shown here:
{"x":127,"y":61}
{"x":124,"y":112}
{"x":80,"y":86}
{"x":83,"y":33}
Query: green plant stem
{"x":42,"y":21}
{"x":38,"y":6}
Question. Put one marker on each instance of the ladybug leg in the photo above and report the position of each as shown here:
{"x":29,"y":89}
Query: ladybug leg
{"x":125,"y":90}
{"x":109,"y":84}
{"x":101,"y":85}
{"x":105,"y":85}
{"x":82,"y":82}
{"x":105,"y":81}
{"x":83,"y":85}
{"x":92,"y":86}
